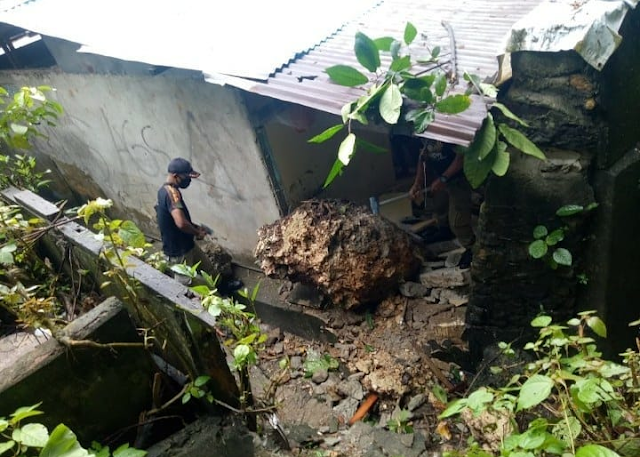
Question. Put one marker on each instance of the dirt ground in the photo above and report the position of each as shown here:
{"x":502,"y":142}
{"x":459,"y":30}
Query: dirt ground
{"x":406,"y":351}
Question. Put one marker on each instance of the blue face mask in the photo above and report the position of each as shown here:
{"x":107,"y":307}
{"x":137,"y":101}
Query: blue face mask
{"x":184,"y":182}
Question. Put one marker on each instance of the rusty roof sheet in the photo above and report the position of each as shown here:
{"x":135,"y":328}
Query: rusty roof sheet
{"x":479,"y":28}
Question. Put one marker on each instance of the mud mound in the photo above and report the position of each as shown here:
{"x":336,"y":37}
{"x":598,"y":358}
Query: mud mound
{"x":349,"y":254}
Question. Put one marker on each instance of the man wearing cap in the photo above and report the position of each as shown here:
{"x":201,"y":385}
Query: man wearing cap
{"x":177,"y":229}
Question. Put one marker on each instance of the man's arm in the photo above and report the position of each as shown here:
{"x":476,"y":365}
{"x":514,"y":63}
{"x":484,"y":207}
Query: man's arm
{"x":454,"y":167}
{"x":418,"y":183}
{"x":183,"y":224}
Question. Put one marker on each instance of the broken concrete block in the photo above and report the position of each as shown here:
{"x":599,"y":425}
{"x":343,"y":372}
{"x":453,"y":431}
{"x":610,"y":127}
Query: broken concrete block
{"x":413,"y":289}
{"x":446,"y":278}
{"x":454,"y":297}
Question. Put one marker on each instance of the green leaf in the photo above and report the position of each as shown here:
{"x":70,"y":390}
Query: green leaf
{"x":435,"y":52}
{"x":394,"y":49}
{"x":4,"y":447}
{"x":33,"y":435}
{"x":421,"y":119}
{"x":24,"y":412}
{"x":595,"y":450}
{"x":346,"y":76}
{"x":509,"y":114}
{"x":126,"y":451}
{"x":440,"y":84}
{"x":367,"y":52}
{"x":63,"y":443}
{"x":485,"y":139}
{"x":370,"y":146}
{"x":502,"y":160}
{"x":201,"y":380}
{"x":479,"y":398}
{"x":328,"y":133}
{"x":555,"y":237}
{"x":132,"y":235}
{"x":569,"y":210}
{"x":336,"y":169}
{"x":597,"y":325}
{"x":477,"y":170}
{"x":418,"y":89}
{"x":410,"y":33}
{"x":535,"y":390}
{"x":455,"y":407}
{"x":19,"y":129}
{"x":540,"y":231}
{"x":568,"y":429}
{"x":390,"y":105}
{"x":541,"y":321}
{"x":400,"y":64}
{"x":439,"y":392}
{"x":384,"y":43}
{"x":521,"y":142}
{"x":562,"y":257}
{"x":453,"y":104}
{"x":347,"y":148}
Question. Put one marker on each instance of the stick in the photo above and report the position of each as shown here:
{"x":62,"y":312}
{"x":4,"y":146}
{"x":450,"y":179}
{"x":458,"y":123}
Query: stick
{"x":364,"y":408}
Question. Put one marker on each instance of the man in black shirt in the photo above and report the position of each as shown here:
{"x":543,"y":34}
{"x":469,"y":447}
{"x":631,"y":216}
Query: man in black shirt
{"x":441,"y":166}
{"x":176,"y":228}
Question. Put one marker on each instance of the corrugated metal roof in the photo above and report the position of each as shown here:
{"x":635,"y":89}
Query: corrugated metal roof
{"x":268,"y":47}
{"x":479,"y":28}
{"x":245,"y":38}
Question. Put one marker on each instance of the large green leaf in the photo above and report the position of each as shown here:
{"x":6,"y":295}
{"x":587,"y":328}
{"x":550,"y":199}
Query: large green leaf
{"x":367,"y":52}
{"x":485,"y":139}
{"x":24,"y":412}
{"x":384,"y":43}
{"x":63,"y":443}
{"x":562,"y":257}
{"x":521,"y":142}
{"x":132,"y":235}
{"x":420,"y":118}
{"x":126,"y":451}
{"x":541,"y":321}
{"x":455,"y":407}
{"x":555,"y":237}
{"x":453,"y":104}
{"x":32,"y":435}
{"x":595,"y":450}
{"x":597,"y":325}
{"x":509,"y":114}
{"x":346,"y":76}
{"x":440,"y":84}
{"x":347,"y":148}
{"x":410,"y":33}
{"x":391,"y":104}
{"x":324,"y":136}
{"x":502,"y":160}
{"x":568,"y":429}
{"x":477,"y":170}
{"x":535,"y":390}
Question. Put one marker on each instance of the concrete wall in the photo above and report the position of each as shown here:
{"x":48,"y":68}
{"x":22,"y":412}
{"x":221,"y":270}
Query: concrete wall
{"x":119,"y":133}
{"x":302,"y":167}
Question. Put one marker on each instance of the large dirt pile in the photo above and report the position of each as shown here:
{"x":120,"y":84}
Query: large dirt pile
{"x":351,"y":255}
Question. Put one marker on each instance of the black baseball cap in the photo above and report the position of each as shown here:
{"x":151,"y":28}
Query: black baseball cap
{"x":180,"y":165}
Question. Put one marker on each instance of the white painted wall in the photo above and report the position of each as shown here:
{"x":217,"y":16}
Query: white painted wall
{"x":123,"y":130}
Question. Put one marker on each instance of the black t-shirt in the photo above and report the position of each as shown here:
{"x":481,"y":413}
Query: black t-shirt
{"x":439,"y":161}
{"x":175,"y":242}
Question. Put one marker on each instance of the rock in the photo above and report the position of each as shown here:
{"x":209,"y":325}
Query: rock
{"x":413,"y":289}
{"x":305,"y":295}
{"x":453,"y":297}
{"x":446,"y":278}
{"x":349,"y":254}
{"x":331,"y":441}
{"x":416,"y":402}
{"x":219,"y":258}
{"x":320,"y":376}
{"x":351,"y":389}
{"x":296,"y":362}
{"x":274,"y":335}
{"x":346,"y":408}
{"x":364,"y":366}
{"x":278,"y":348}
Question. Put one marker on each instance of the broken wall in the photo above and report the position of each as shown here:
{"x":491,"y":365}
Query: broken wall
{"x":119,"y":133}
{"x":557,"y":93}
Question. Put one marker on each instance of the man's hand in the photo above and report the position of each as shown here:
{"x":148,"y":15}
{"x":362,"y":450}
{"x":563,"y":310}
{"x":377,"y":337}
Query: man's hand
{"x":415,"y":193}
{"x":201,"y":232}
{"x":436,"y":186}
